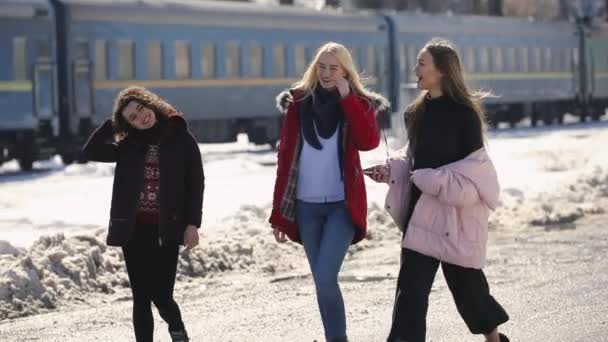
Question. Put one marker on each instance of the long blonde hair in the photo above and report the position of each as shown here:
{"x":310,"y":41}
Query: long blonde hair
{"x":447,"y":61}
{"x":309,"y":82}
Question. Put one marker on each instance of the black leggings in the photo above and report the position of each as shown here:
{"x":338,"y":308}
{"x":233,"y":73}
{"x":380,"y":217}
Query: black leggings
{"x":151,"y":268}
{"x":469,"y":287}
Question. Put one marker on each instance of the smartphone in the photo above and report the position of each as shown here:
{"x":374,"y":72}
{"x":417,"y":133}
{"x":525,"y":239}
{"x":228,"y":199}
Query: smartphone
{"x":368,"y":171}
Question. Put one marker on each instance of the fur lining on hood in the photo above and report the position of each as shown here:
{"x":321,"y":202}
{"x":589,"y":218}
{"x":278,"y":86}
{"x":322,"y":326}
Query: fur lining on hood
{"x":287,"y":96}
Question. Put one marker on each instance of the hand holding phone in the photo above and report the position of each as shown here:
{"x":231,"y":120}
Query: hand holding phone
{"x":378,"y":173}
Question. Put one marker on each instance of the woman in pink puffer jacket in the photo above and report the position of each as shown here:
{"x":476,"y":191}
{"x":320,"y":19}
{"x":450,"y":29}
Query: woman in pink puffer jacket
{"x":441,"y":191}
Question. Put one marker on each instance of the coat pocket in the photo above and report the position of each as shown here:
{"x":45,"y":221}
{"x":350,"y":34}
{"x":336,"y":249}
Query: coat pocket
{"x":473,"y":225}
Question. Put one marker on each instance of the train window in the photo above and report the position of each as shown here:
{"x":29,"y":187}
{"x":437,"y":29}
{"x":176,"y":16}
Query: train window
{"x":310,"y":54}
{"x":155,"y":60}
{"x":81,"y":50}
{"x":412,"y":56}
{"x":371,"y":61}
{"x":301,"y":59}
{"x":402,"y":60}
{"x":354,"y":54}
{"x":101,"y":60}
{"x":548,"y":60}
{"x":524,"y":60}
{"x":568,"y":59}
{"x":43,"y":49}
{"x":256,"y":59}
{"x":484,"y":59}
{"x":208,"y":60}
{"x":459,"y":55}
{"x":183,"y":60}
{"x":511,"y":60}
{"x":470,"y":59}
{"x":20,"y":58}
{"x":575,"y":56}
{"x":498,"y":60}
{"x":126,"y":60}
{"x":233,"y":60}
{"x":536,"y":59}
{"x":279,"y":61}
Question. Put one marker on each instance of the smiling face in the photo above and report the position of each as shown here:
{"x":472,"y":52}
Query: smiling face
{"x":329,"y":70}
{"x":429,"y":77}
{"x":139,"y":116}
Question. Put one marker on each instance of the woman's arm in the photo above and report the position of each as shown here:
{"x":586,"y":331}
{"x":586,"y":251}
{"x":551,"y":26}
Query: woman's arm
{"x":195,"y":183}
{"x":362,"y":120}
{"x":101,"y":146}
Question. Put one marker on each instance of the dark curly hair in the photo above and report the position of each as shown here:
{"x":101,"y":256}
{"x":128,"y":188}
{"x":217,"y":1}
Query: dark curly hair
{"x":161,"y":108}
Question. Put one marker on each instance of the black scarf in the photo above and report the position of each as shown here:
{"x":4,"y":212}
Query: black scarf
{"x":322,"y":111}
{"x":150,"y":136}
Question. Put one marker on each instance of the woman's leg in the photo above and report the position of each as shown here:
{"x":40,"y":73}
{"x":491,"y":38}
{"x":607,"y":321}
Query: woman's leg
{"x":311,"y":218}
{"x":166,"y":266}
{"x":480,"y":311}
{"x":416,"y":277}
{"x":338,"y":233}
{"x":136,"y":255}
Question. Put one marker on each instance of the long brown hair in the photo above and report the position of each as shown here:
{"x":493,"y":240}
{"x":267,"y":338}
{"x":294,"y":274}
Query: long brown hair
{"x":447,"y":61}
{"x":146,"y":98}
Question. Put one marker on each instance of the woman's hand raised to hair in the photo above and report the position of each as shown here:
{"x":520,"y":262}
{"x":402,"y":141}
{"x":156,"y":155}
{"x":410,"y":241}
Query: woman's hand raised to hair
{"x":343,"y":86}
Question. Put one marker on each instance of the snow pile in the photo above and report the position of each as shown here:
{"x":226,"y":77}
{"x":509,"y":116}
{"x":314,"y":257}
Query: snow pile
{"x":562,"y":204}
{"x":56,"y":269}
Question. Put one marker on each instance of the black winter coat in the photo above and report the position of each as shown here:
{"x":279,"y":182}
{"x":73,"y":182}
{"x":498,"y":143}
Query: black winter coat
{"x":182,"y":179}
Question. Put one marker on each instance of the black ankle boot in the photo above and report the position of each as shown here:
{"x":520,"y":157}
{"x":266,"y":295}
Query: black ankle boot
{"x":179,"y":336}
{"x":339,"y":339}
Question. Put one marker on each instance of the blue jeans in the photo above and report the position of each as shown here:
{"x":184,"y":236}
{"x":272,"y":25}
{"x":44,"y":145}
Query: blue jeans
{"x":326,"y":231}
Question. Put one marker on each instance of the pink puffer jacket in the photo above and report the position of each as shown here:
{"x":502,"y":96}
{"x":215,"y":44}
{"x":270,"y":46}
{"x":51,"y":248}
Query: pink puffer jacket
{"x":450,"y":220}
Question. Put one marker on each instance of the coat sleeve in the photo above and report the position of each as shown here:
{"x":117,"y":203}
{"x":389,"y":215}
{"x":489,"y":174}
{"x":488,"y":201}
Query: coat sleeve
{"x":195,"y":178}
{"x":282,"y":152}
{"x":100,"y":147}
{"x":362,"y":120}
{"x":449,"y":187}
{"x":398,"y":194}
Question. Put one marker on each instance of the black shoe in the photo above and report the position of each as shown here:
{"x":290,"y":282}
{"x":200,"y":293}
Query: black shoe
{"x":179,"y":336}
{"x":503,"y":338}
{"x":339,"y":339}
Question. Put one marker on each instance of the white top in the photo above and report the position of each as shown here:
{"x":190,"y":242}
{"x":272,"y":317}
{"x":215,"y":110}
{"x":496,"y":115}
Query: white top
{"x":319,"y":178}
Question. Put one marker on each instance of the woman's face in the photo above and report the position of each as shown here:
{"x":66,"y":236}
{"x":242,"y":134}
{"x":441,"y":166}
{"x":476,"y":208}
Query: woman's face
{"x":329,"y":70}
{"x":139,"y":116}
{"x":429,"y":78}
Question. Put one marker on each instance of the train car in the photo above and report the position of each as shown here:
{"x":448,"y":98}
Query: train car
{"x":598,"y":70}
{"x":529,"y":65}
{"x":220,"y":63}
{"x":28,"y":112}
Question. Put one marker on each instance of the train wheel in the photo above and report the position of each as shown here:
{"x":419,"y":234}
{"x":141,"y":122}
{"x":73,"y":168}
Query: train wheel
{"x":274,"y":145}
{"x":534,"y":119}
{"x":26,"y":163}
{"x":67,"y":158}
{"x":27,"y":154}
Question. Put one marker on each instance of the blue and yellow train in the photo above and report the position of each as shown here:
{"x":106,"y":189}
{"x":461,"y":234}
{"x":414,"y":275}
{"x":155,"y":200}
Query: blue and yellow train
{"x":63,"y":61}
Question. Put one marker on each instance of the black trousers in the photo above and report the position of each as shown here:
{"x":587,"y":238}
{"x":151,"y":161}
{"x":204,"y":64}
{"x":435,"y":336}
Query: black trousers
{"x":469,"y":288}
{"x":151,"y":268}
